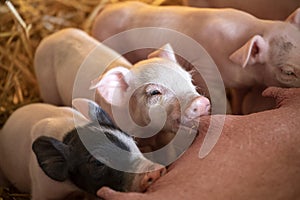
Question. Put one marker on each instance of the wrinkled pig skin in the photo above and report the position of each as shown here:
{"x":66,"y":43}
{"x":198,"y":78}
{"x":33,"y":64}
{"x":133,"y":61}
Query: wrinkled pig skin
{"x":248,"y":51}
{"x":256,"y":157}
{"x":266,"y":9}
{"x":45,"y":155}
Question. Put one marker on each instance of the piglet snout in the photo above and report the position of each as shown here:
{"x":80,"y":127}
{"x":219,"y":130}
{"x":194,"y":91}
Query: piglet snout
{"x":199,"y":106}
{"x":151,"y":177}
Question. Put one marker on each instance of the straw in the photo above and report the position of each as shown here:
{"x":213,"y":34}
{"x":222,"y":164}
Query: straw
{"x":23,"y":24}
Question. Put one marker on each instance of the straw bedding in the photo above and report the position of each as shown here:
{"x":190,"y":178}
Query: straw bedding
{"x":19,"y":37}
{"x":18,"y":43}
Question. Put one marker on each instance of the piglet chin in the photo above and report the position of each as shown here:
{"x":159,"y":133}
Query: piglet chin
{"x":185,"y":124}
{"x":190,"y":124}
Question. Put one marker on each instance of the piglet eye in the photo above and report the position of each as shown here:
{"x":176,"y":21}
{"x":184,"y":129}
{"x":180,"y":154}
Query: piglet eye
{"x":154,"y":92}
{"x":288,"y":72}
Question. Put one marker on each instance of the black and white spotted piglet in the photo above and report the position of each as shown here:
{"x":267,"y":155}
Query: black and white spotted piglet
{"x":44,"y":154}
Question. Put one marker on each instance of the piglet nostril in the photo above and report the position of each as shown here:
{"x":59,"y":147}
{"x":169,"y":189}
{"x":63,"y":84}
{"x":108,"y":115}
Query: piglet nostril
{"x":200,"y":106}
{"x":151,"y":177}
{"x":150,"y":181}
{"x":208,"y":108}
{"x":163,"y":171}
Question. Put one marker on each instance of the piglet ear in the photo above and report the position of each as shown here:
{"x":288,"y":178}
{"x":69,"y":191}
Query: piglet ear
{"x":102,"y":116}
{"x":294,"y":18}
{"x":112,"y":85}
{"x":253,"y":52}
{"x":166,"y":52}
{"x":52,"y":157}
{"x":92,"y":111}
{"x":86,"y":107}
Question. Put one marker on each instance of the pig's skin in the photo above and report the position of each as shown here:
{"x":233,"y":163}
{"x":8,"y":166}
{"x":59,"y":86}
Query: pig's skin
{"x":58,"y":59}
{"x":17,"y":146}
{"x":225,"y":34}
{"x":256,"y":157}
{"x":266,"y":9}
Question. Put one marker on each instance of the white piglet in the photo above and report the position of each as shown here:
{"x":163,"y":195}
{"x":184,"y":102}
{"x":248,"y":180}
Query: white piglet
{"x":130,"y":91}
{"x":150,"y":92}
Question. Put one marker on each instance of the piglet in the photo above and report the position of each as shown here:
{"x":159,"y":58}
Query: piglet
{"x":155,"y":95}
{"x":52,"y":159}
{"x":157,"y":85}
{"x":249,"y":52}
{"x":59,"y":58}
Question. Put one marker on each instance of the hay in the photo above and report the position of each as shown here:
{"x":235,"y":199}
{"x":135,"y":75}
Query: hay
{"x":20,"y":33}
{"x":19,"y":39}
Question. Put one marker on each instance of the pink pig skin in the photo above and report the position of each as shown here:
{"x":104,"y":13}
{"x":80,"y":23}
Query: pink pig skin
{"x":266,"y":9}
{"x":246,"y":49}
{"x":255,"y":102}
{"x":256,"y":157}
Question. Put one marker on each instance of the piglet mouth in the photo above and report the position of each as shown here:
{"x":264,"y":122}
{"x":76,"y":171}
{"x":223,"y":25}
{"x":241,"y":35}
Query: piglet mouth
{"x":189,"y":125}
